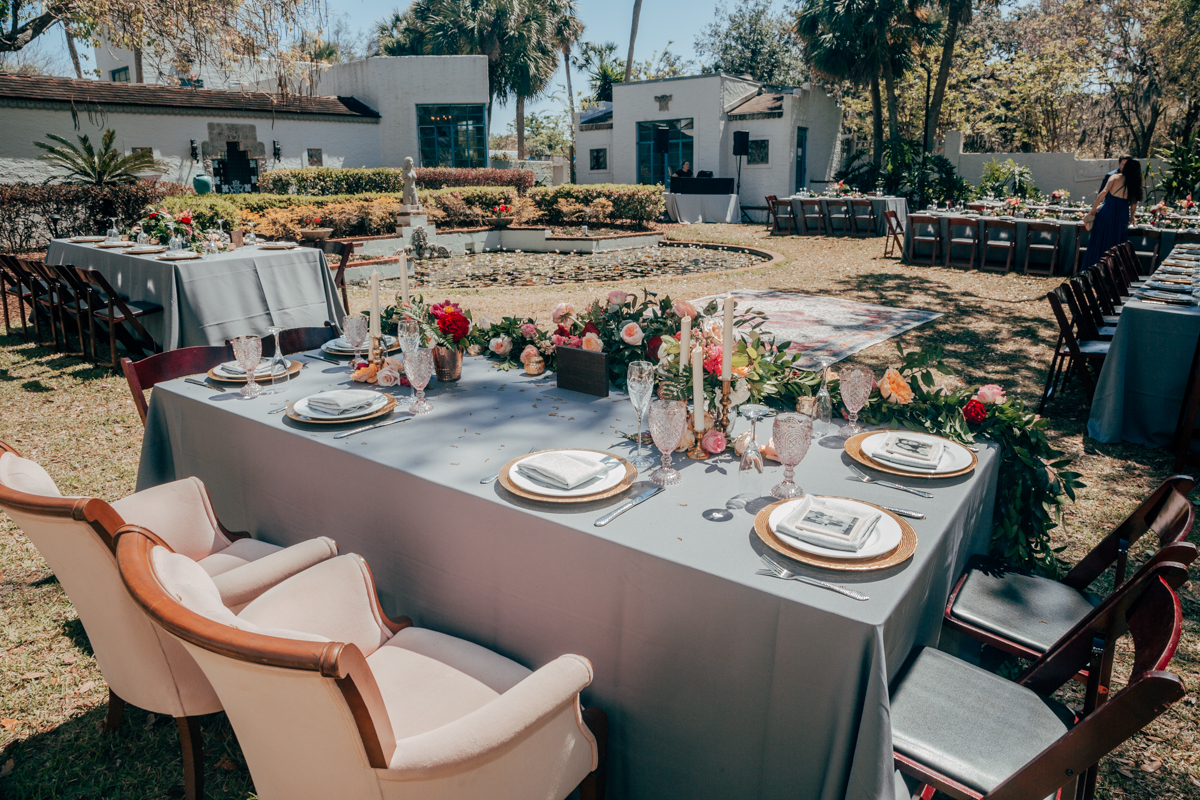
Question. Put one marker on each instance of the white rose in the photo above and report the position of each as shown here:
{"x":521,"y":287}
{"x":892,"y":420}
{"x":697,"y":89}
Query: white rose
{"x":631,"y":333}
{"x":501,"y":345}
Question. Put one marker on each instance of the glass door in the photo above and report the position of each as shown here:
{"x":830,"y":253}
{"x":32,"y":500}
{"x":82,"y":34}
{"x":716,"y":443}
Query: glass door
{"x":801,"y":158}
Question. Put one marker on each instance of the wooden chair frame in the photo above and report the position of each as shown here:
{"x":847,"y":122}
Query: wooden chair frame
{"x":840,"y":209}
{"x":46,"y":296}
{"x":117,"y":312}
{"x":863,"y":224}
{"x":344,"y":249}
{"x":935,"y":240}
{"x":1052,"y":247}
{"x":1069,"y":356}
{"x":812,"y":203}
{"x":893,"y":238}
{"x":779,"y":219}
{"x":1008,"y":245}
{"x":972,"y":240}
{"x":76,"y":305}
{"x":1089,"y":321}
{"x":1082,"y":237}
{"x":143,"y":375}
{"x":343,"y":662}
{"x":12,"y":284}
{"x":771,"y":221}
{"x":34,"y":286}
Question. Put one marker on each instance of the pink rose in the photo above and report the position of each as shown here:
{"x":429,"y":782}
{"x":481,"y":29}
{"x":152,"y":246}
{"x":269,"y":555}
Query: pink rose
{"x":501,"y":345}
{"x":683,"y":308}
{"x":768,"y":450}
{"x":617,"y":297}
{"x":561,"y":312}
{"x":592,"y":342}
{"x":632,"y":334}
{"x":529,"y":352}
{"x":529,"y":330}
{"x":989,"y":395}
{"x":714,"y":441}
{"x":388,"y":376}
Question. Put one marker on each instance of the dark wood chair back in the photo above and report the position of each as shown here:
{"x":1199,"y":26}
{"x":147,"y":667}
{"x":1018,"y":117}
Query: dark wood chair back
{"x":117,"y":313}
{"x":1085,"y":314}
{"x":299,"y":340}
{"x":781,"y":212}
{"x":810,"y":209}
{"x":924,"y":228}
{"x":893,"y":241}
{"x":1187,"y":237}
{"x":338,"y":251}
{"x":143,"y":375}
{"x":13,"y":284}
{"x":1041,"y":237}
{"x":862,"y":215}
{"x":771,"y":198}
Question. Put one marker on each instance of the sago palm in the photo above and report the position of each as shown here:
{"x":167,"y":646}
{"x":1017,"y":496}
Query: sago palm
{"x":105,"y":167}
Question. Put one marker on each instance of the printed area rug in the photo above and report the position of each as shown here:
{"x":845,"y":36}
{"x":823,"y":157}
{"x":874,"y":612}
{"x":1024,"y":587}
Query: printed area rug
{"x":825,"y":326}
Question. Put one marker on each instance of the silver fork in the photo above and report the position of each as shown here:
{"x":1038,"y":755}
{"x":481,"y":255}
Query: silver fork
{"x":865,"y":478}
{"x":492,"y":478}
{"x":776,"y":570}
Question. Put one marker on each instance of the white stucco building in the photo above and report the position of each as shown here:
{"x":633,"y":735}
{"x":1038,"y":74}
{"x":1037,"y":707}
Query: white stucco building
{"x":793,"y":134}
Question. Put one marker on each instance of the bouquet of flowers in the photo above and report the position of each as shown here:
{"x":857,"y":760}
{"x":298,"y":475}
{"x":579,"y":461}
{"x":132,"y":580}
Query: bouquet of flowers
{"x":1187,"y":206}
{"x":1059,"y":196}
{"x":501,"y":209}
{"x":310,"y":222}
{"x":158,"y":224}
{"x":1012,"y":204}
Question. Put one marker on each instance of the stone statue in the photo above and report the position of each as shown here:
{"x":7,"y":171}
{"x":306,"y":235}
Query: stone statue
{"x":410,"y":183}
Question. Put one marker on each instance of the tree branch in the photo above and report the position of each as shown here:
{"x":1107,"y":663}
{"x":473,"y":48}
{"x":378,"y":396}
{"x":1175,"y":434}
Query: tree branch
{"x":22,"y":35}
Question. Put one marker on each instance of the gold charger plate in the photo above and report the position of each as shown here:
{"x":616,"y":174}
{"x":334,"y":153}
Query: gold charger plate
{"x":112,"y":245}
{"x":903,"y":551}
{"x":854,"y":450}
{"x":393,"y":347}
{"x":87,"y":239}
{"x":293,"y":368}
{"x":170,"y":257}
{"x":146,"y":250}
{"x":630,"y":475}
{"x":386,"y":409}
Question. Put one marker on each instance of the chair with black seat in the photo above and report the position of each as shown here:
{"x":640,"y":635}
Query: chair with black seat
{"x":1006,"y":242}
{"x":840,"y":220}
{"x":120,"y":316}
{"x":973,"y":735}
{"x":1071,"y":354}
{"x":893,"y":241}
{"x":342,"y":252}
{"x":926,"y":229}
{"x":783,"y":216}
{"x":73,"y":303}
{"x":1082,"y":237}
{"x":1089,"y":319}
{"x":13,"y":285}
{"x":1185,"y":425}
{"x":863,"y":217}
{"x":1041,"y":238}
{"x":46,"y":298}
{"x":812,"y":218}
{"x":1147,"y":254}
{"x":142,"y":375}
{"x":969,"y":237}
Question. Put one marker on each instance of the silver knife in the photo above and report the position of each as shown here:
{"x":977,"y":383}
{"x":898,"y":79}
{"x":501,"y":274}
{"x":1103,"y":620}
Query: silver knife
{"x":372,"y":427}
{"x":904,"y":512}
{"x":195,"y":382}
{"x":621,"y":509}
{"x":330,"y":360}
{"x":891,"y":485}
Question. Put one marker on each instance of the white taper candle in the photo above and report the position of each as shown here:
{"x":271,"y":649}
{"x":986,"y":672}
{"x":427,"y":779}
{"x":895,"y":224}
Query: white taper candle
{"x":727,"y":341}
{"x":685,"y":344}
{"x":375,"y":303}
{"x":698,"y":390}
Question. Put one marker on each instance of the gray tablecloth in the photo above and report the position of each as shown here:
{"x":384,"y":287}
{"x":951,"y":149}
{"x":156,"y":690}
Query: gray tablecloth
{"x":834,"y":224}
{"x":703,"y":207}
{"x":208,"y":301}
{"x":718,"y":683}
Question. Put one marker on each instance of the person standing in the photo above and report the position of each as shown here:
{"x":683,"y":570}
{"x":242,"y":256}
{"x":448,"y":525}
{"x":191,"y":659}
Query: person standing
{"x":1120,"y":164}
{"x":1117,"y":204}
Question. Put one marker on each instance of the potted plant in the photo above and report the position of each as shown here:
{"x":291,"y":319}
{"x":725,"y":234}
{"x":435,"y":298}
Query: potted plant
{"x":313,"y":232}
{"x":448,"y":336}
{"x":503,"y":216}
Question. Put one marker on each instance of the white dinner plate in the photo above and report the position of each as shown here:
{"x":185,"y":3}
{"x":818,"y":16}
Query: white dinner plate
{"x":263,"y":371}
{"x":1167,"y":286}
{"x":178,"y":256}
{"x":277,"y":245}
{"x":302,"y":408}
{"x":342,"y":347}
{"x":882,"y":540}
{"x":87,"y":239}
{"x":1165,"y":297}
{"x":954,"y":455}
{"x":615,"y":474}
{"x":147,"y":250}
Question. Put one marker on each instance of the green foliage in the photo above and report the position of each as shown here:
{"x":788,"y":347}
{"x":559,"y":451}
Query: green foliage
{"x":1009,"y":179}
{"x":545,"y":134}
{"x":907,"y":171}
{"x":629,"y":201}
{"x":85,"y":164}
{"x":752,"y":39}
{"x":605,"y":67}
{"x":382,"y":180}
{"x":1179,"y":175}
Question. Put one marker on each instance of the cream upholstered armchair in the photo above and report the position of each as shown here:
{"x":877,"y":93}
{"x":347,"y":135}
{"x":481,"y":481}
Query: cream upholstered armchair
{"x":330,"y":698}
{"x":141,"y":664}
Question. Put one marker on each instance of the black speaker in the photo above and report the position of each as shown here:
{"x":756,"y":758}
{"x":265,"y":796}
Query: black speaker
{"x":662,"y":140}
{"x":741,"y":143}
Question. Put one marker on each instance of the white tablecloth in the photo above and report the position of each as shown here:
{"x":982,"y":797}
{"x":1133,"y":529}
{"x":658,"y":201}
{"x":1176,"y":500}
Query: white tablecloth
{"x":703,"y":207}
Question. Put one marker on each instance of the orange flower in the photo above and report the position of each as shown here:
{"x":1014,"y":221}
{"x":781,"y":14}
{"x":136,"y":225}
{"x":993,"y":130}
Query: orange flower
{"x":894,"y":388}
{"x":366,"y":374}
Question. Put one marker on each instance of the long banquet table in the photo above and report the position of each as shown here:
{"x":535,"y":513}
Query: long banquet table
{"x":210,"y":300}
{"x":718,"y":683}
{"x":880,"y":204}
{"x":696,"y":208}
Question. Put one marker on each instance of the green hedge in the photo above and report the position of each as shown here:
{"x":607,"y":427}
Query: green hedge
{"x":327,"y":181}
{"x":636,"y":203}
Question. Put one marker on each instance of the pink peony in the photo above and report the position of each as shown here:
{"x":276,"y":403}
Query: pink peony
{"x":592,"y":342}
{"x":712,"y":359}
{"x":990,"y":395}
{"x":388,"y":376}
{"x":631,"y":333}
{"x":439,"y":310}
{"x":529,"y":352}
{"x":617,"y":297}
{"x":561,"y":312}
{"x":501,"y":345}
{"x":683,"y":308}
{"x":714,"y":441}
{"x":529,"y":330}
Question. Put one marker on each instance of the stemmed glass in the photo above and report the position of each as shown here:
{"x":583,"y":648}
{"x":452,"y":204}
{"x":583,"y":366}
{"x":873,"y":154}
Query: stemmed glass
{"x":355,"y":328}
{"x":249,"y":238}
{"x":857,"y":383}
{"x":419,"y":366}
{"x":140,"y":236}
{"x":114,"y":233}
{"x":823,"y":420}
{"x":277,"y":361}
{"x":750,"y":467}
{"x":792,"y":434}
{"x":248,"y":351}
{"x":666,"y":428}
{"x":408,"y":333}
{"x":175,"y":243}
{"x":640,"y":382}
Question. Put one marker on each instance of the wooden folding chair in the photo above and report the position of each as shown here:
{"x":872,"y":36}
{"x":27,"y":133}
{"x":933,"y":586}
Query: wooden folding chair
{"x":840,"y":213}
{"x":1082,"y":237}
{"x":1071,"y":354}
{"x":1186,"y":237}
{"x":1007,"y":244}
{"x":783,"y":216}
{"x":46,"y":296}
{"x":811,"y":217}
{"x":771,"y":222}
{"x":122,"y":317}
{"x":13,"y":285}
{"x":299,"y":340}
{"x":1148,"y":255}
{"x":1099,"y":297}
{"x":862,"y":217}
{"x":969,"y":238}
{"x":143,"y":375}
{"x":73,"y":303}
{"x":1041,"y":237}
{"x":341,"y":251}
{"x":893,"y":239}
{"x":1185,"y":425}
{"x":933,"y":236}
{"x":1089,"y":319}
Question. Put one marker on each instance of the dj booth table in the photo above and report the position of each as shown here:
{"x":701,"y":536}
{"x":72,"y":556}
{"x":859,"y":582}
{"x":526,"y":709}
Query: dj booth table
{"x":703,"y":200}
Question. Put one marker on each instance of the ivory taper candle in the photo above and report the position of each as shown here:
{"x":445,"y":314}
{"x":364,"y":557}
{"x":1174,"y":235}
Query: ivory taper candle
{"x":727,"y":341}
{"x":698,"y":390}
{"x":404,"y":279}
{"x":375,"y":303}
{"x":685,"y":345}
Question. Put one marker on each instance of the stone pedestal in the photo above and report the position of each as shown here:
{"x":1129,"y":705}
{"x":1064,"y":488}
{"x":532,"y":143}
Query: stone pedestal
{"x":410,"y":216}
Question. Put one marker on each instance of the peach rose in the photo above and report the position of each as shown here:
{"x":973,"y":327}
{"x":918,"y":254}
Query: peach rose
{"x":683,"y":308}
{"x":631,"y":333}
{"x":365,"y":374}
{"x":617,"y":297}
{"x":990,"y":395}
{"x":388,"y":376}
{"x":562,"y":311}
{"x":592,"y":342}
{"x":529,"y":352}
{"x":894,"y":388}
{"x":768,"y":450}
{"x":714,"y":441}
{"x":686,"y":441}
{"x":501,"y":345}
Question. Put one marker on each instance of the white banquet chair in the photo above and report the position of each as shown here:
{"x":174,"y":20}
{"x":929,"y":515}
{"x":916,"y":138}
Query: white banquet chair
{"x":141,"y":664}
{"x":330,"y":698}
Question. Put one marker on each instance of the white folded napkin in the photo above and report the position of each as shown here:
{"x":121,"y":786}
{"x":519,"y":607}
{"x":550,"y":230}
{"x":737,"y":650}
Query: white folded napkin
{"x":264,"y":368}
{"x":342,"y":402}
{"x":561,"y":470}
{"x":827,"y":522}
{"x":906,"y":450}
{"x":341,"y":343}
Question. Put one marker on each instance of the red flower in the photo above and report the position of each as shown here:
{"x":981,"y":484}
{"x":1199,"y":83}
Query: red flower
{"x":563,"y":330}
{"x":439,"y":310}
{"x":591,"y":328}
{"x":974,"y":411}
{"x":652,"y":348}
{"x":454,"y":326}
{"x":153,"y":214}
{"x":186,"y":218}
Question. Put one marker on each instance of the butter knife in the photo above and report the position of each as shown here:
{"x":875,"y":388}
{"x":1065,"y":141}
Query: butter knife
{"x":621,"y":509}
{"x":330,"y":360}
{"x":372,"y":427}
{"x":904,"y":512}
{"x":195,"y":382}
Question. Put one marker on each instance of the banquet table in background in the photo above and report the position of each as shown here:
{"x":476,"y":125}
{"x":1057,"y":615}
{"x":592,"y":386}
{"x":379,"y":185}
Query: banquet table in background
{"x":880,"y":204}
{"x":210,"y":300}
{"x":696,"y":208}
{"x":718,"y":683}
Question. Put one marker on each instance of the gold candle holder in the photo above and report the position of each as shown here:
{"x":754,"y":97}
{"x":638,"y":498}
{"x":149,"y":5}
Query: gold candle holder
{"x":697,"y":453}
{"x":722,"y":417}
{"x":375,"y":353}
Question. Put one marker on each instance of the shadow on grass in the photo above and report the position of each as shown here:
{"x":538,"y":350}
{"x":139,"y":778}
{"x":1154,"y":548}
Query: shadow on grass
{"x":36,"y":386}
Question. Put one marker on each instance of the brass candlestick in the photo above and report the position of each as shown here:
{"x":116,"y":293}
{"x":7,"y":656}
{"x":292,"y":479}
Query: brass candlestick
{"x":697,"y":453}
{"x":375,"y":353}
{"x":722,"y":419}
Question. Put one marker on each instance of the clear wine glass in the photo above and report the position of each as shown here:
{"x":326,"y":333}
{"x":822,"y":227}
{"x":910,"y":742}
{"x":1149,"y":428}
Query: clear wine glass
{"x":355,"y":328}
{"x":750,"y":467}
{"x":114,"y":232}
{"x":823,"y":420}
{"x":640,"y":383}
{"x":247,"y":350}
{"x":857,"y":383}
{"x":249,"y":238}
{"x":140,"y":236}
{"x":279,"y":364}
{"x":419,"y":366}
{"x":667,"y":418}
{"x":175,"y":243}
{"x":792,"y":434}
{"x":408,"y":333}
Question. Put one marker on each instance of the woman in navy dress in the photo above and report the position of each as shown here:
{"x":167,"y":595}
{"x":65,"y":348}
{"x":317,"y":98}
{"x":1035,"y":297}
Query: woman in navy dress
{"x":1110,"y":225}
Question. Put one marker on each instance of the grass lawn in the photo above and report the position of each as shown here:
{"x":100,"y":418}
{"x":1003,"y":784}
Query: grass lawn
{"x":79,"y":422}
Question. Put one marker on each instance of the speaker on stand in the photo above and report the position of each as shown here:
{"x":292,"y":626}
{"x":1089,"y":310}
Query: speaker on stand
{"x":741,"y":147}
{"x":662,"y":145}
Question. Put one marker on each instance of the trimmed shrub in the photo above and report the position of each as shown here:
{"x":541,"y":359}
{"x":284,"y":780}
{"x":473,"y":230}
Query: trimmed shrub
{"x":326,"y":181}
{"x":26,"y":210}
{"x":630,"y":202}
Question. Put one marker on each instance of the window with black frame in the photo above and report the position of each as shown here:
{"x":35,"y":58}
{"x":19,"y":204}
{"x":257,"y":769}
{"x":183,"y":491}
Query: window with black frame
{"x":452,"y":135}
{"x":599,"y":159}
{"x":657,"y":167}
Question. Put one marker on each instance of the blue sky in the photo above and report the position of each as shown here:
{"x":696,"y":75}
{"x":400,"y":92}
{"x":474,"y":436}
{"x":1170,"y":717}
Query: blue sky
{"x":662,"y":21}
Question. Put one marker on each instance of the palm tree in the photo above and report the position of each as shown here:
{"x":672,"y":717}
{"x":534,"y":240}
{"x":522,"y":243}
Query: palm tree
{"x":637,"y":12}
{"x":957,"y":12}
{"x":603,"y":67}
{"x":105,"y":168}
{"x":530,"y":58}
{"x":568,"y":29}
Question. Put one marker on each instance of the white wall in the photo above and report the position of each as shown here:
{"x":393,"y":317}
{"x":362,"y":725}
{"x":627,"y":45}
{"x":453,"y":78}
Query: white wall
{"x":351,"y":144}
{"x":585,"y":142}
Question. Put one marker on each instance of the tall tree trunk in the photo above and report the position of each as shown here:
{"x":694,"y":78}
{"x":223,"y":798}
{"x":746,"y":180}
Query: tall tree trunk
{"x":74,"y":52}
{"x":877,"y":119}
{"x":889,"y":80}
{"x":637,"y":12}
{"x":520,"y":128}
{"x":570,"y":104}
{"x":955,"y":12}
{"x":137,"y":66}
